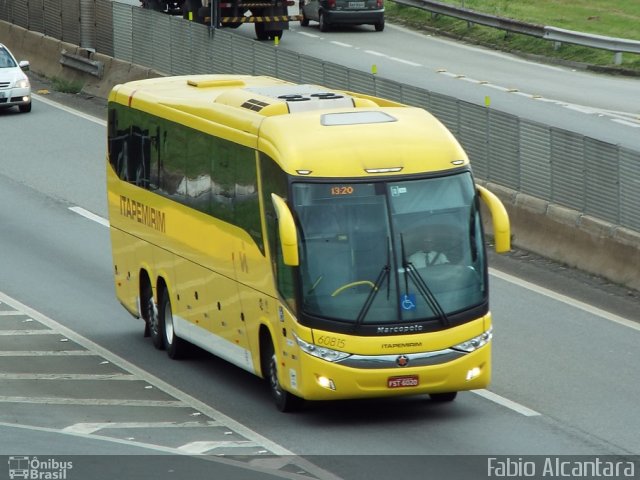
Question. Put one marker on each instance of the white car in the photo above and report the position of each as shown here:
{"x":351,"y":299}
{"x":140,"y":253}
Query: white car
{"x":15,"y":89}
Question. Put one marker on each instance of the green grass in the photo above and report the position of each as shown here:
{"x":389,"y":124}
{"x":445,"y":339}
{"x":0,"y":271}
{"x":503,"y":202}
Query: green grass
{"x":66,"y":86}
{"x":614,"y":18}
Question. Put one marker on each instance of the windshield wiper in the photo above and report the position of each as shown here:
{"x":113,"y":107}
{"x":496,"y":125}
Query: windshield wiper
{"x":366,"y":306}
{"x":410,"y":271}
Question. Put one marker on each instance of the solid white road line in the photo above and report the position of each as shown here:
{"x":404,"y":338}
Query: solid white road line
{"x":505,"y":402}
{"x":90,"y":215}
{"x":89,"y":428}
{"x":91,"y":118}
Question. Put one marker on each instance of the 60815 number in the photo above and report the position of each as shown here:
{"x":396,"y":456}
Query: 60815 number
{"x":327,"y":341}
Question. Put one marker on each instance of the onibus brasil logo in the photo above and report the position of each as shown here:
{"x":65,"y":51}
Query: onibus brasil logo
{"x":38,"y":469}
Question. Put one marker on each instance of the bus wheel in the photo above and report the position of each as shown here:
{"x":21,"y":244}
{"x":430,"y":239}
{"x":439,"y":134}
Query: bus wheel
{"x":176,"y":347}
{"x":285,"y":401}
{"x":443,"y":397}
{"x":153,"y":327}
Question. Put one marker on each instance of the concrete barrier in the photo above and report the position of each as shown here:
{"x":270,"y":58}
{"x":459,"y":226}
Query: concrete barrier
{"x":572,"y":238}
{"x":44,"y":54}
{"x":553,"y":231}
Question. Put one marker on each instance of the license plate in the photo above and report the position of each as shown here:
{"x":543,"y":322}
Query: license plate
{"x":404,"y":381}
{"x":356,"y":4}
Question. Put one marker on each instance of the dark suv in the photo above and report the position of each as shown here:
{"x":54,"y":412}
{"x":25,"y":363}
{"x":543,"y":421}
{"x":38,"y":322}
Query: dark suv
{"x":343,"y":12}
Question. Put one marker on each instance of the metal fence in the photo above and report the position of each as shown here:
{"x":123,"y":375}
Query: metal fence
{"x":562,"y":167}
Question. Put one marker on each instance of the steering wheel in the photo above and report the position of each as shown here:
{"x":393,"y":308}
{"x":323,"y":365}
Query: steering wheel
{"x":341,"y":289}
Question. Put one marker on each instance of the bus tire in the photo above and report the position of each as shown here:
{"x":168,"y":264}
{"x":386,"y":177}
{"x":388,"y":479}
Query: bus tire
{"x":153,"y":322}
{"x":176,"y":347}
{"x":443,"y":397}
{"x":285,"y":401}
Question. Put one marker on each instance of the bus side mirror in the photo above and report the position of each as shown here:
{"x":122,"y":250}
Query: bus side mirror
{"x":501,"y":227}
{"x":287,"y":231}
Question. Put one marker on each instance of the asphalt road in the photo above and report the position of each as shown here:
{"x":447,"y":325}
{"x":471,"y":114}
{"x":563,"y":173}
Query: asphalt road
{"x":564,"y":371}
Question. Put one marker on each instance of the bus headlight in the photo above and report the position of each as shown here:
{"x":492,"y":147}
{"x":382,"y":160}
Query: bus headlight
{"x":325,"y":382}
{"x":321,"y":352}
{"x":473,"y":373}
{"x":475,"y":342}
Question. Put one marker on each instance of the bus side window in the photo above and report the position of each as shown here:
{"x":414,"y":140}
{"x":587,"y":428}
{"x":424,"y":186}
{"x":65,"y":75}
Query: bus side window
{"x":172,"y":166}
{"x":274,"y":181}
{"x":117,"y":144}
{"x":154,"y":157}
{"x":138,"y":156}
{"x":198,"y":171}
{"x":224,"y":176}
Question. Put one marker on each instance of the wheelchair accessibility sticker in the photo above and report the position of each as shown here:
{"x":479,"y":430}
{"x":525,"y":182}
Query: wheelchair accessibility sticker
{"x":408,"y":301}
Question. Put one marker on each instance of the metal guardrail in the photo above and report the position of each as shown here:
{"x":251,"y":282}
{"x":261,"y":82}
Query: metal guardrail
{"x":472,"y":16}
{"x":557,"y":35}
{"x":83,"y":64}
{"x":616,"y":45}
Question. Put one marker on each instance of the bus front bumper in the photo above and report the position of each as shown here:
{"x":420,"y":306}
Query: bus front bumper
{"x":332,"y":381}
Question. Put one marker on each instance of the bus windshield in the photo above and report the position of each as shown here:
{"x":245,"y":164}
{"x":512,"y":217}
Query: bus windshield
{"x":390,"y":252}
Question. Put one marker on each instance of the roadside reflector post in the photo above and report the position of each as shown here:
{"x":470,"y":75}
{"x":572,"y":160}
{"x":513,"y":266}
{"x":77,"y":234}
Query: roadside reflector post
{"x":617,"y":58}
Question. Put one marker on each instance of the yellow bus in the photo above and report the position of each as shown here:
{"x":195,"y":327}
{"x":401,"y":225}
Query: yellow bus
{"x":327,"y":241}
